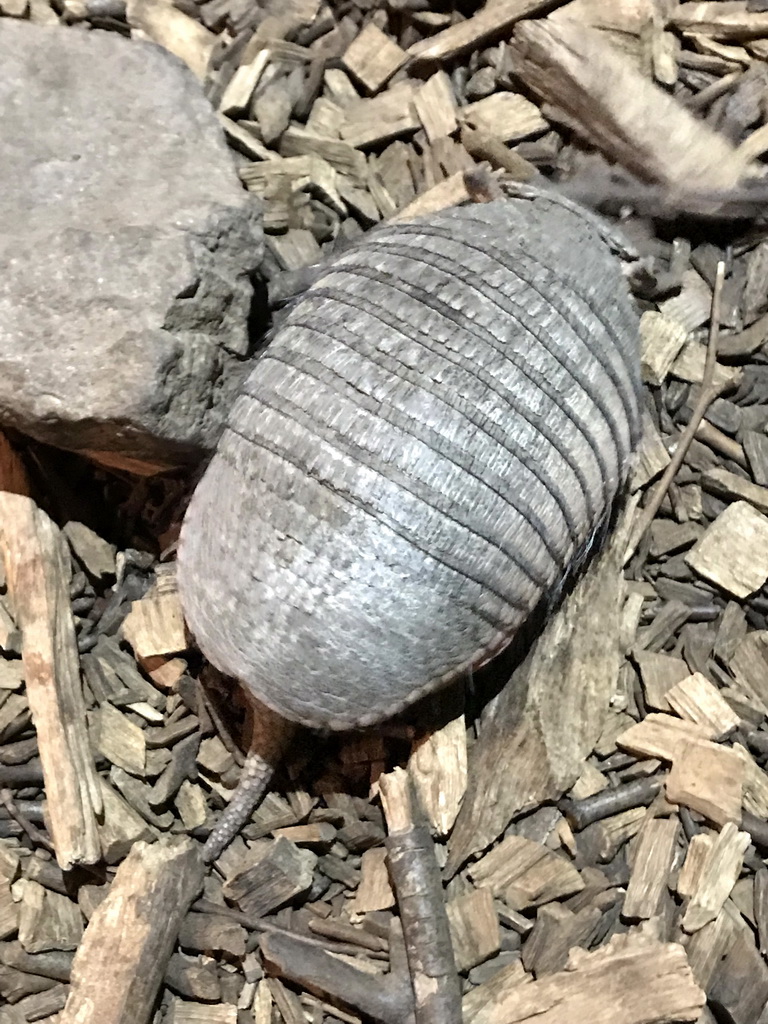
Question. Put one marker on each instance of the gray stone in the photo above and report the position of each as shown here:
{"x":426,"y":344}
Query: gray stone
{"x":126,"y":249}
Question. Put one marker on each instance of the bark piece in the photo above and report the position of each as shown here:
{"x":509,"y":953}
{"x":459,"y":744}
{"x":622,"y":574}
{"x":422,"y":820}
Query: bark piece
{"x":525,"y":874}
{"x":733,"y":553}
{"x":494,"y":19}
{"x":120,"y":964}
{"x":373,"y":57}
{"x":37,"y":567}
{"x":716,"y":877}
{"x":628,"y":118}
{"x":494,"y":991}
{"x":634,"y":979}
{"x":154,"y":339}
{"x":536,"y":735}
{"x":652,"y":859}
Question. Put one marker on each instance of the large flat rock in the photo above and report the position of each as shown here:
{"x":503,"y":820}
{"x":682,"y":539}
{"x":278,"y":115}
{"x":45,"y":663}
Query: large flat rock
{"x":126,"y":248}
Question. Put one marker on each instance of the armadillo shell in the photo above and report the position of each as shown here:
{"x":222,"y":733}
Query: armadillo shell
{"x":433,"y":435}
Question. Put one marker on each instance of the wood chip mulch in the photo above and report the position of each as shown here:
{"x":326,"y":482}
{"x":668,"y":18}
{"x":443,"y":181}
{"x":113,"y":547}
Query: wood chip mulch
{"x":601,"y":824}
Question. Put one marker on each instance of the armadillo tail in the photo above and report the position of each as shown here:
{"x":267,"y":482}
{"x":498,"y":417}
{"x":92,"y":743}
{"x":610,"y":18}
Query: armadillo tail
{"x":271,"y":737}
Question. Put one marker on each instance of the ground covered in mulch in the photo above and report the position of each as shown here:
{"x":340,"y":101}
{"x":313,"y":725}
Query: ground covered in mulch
{"x":607,"y":809}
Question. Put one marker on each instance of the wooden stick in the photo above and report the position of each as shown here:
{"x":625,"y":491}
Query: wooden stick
{"x":709,"y":392}
{"x":122,"y":959}
{"x":388,"y":999}
{"x":418,"y":885}
{"x":37,"y":568}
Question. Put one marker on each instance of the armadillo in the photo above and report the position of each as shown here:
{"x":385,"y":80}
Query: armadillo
{"x":435,"y":433}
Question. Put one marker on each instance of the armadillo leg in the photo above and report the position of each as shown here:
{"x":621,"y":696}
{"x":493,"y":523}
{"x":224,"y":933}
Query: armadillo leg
{"x":272,"y":735}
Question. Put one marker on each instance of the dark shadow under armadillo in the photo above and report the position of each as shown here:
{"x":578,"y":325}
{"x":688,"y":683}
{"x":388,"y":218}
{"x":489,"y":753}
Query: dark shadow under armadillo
{"x":432,"y":437}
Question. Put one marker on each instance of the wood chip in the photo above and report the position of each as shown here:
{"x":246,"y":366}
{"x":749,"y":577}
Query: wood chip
{"x":9,"y":911}
{"x":724,"y":484}
{"x":633,"y":979}
{"x":282,"y":872}
{"x":696,"y":858}
{"x":442,"y":196}
{"x":653,"y":855}
{"x":237,"y":95}
{"x":167,"y":26}
{"x":661,"y":736}
{"x":474,"y":925}
{"x":375,"y":889}
{"x":47,"y":920}
{"x":387,"y":116}
{"x":733,"y":553}
{"x":708,"y":778}
{"x":494,"y":19}
{"x":506,"y":115}
{"x":345,"y":159}
{"x":438,"y":770}
{"x":716,"y":877}
{"x":155,"y":624}
{"x":697,"y":700}
{"x":525,"y":874}
{"x":436,"y":106}
{"x":532,"y":747}
{"x":95,"y":554}
{"x":556,"y":932}
{"x":661,"y":339}
{"x":721,"y":21}
{"x":494,"y":991}
{"x":660,"y":673}
{"x":652,"y":457}
{"x":373,"y":57}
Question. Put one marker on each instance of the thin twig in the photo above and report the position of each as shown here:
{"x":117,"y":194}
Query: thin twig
{"x":709,"y":392}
